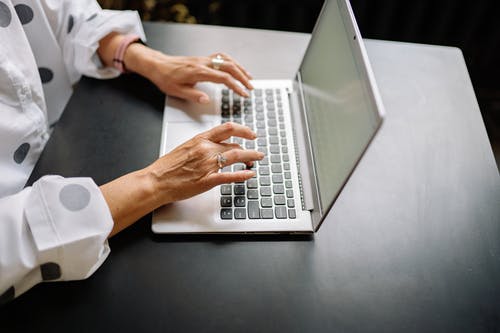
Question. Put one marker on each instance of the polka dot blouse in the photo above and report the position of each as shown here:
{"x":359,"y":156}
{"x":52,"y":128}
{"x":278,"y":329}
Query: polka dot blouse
{"x":57,"y":229}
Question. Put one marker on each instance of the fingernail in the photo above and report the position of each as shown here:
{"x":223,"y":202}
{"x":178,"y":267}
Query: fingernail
{"x":261,"y":155}
{"x":203,"y":99}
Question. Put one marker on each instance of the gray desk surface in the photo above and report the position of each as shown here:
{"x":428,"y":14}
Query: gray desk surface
{"x":412,"y":244}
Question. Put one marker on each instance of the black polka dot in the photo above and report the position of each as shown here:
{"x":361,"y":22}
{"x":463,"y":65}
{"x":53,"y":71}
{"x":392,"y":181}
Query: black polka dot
{"x":71,"y":23}
{"x":5,"y":15}
{"x":7,"y":296}
{"x":74,"y":197}
{"x":21,"y":152}
{"x":93,"y":16}
{"x":46,"y":75}
{"x":24,"y":12}
{"x":50,"y":271}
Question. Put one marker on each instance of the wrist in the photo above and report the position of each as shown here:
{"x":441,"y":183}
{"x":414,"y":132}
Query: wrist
{"x":139,"y":58}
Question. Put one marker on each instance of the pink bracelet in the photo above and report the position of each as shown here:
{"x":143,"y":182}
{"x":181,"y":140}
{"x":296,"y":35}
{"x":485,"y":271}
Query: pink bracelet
{"x":120,"y":52}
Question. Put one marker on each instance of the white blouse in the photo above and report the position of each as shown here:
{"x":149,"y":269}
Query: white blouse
{"x":57,"y":229}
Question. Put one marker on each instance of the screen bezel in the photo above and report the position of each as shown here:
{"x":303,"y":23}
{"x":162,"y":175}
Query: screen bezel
{"x":319,"y":213}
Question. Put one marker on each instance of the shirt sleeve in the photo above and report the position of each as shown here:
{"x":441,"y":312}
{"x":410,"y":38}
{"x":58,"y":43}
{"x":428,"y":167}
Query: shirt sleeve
{"x":79,"y":26}
{"x":55,"y":230}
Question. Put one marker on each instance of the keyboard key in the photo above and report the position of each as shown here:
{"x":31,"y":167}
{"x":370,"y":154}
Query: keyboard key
{"x":269,"y":91}
{"x":225,"y":92}
{"x":247,"y":102}
{"x":289,"y":193}
{"x":276,"y":168}
{"x":288,"y":175}
{"x":240,"y":213}
{"x":250,"y":145}
{"x":226,"y":214}
{"x":270,"y":107}
{"x":237,"y":140}
{"x":261,"y":133}
{"x":239,"y":167}
{"x":225,"y":99}
{"x":290,"y":203}
{"x":251,"y":183}
{"x":265,"y":191}
{"x":263,"y":150}
{"x":267,"y":213}
{"x":226,"y":201}
{"x":283,"y":141}
{"x":226,"y":189}
{"x":264,"y":171}
{"x":272,"y":123}
{"x":275,"y":149}
{"x":274,"y":140}
{"x":273,"y":131}
{"x":261,"y":142}
{"x":239,"y":201}
{"x":261,"y":124}
{"x":239,"y":189}
{"x":283,"y":134}
{"x":266,"y":202}
{"x":270,"y":99}
{"x":288,"y":184}
{"x":226,"y":169}
{"x":257,"y":92}
{"x":286,"y":158}
{"x":284,"y":150}
{"x":291,"y":213}
{"x":260,"y":116}
{"x":279,"y":199}
{"x":280,"y":212}
{"x":248,"y":118}
{"x":259,"y":108}
{"x":252,"y":194}
{"x":265,"y":181}
{"x":282,"y":126}
{"x":253,"y":209}
{"x":224,"y":107}
{"x":278,"y":189}
{"x":264,"y":161}
{"x":277,"y":179}
{"x":286,"y":166}
{"x":281,"y":119}
{"x":275,"y":159}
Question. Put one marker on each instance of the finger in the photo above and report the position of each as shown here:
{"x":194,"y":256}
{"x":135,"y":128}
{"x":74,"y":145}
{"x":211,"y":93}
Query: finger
{"x":241,"y":155}
{"x":228,"y":57}
{"x":212,"y":75}
{"x":229,"y":145}
{"x":192,"y":94}
{"x":236,"y":72}
{"x":230,"y":177}
{"x":227,"y":130}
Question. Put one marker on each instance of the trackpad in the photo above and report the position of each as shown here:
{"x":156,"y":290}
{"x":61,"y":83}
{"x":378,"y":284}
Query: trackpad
{"x":180,"y":132}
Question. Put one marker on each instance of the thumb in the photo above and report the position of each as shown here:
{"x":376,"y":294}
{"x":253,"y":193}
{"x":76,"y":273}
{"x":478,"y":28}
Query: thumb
{"x":193,"y":95}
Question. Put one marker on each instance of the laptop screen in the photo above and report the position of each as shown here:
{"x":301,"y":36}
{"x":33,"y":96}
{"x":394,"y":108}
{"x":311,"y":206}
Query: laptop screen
{"x":342,"y":116}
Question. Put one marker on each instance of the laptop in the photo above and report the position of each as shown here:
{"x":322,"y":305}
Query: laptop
{"x":313,"y":129}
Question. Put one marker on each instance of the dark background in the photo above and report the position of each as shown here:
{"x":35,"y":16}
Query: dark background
{"x":473,"y":26}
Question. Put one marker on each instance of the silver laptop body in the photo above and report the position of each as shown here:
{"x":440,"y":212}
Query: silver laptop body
{"x":314,"y":130}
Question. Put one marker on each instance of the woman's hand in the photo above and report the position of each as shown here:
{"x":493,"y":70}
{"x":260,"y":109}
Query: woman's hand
{"x":188,"y":170}
{"x":177,"y":76}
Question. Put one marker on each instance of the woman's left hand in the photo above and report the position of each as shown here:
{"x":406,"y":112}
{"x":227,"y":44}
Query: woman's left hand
{"x":177,"y":75}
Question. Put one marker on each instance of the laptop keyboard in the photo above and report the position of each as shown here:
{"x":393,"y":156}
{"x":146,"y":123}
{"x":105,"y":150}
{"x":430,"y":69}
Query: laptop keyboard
{"x":270,"y":193}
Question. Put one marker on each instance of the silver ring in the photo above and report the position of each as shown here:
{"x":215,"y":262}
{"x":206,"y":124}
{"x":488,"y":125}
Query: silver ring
{"x":217,"y":61}
{"x":221,"y":160}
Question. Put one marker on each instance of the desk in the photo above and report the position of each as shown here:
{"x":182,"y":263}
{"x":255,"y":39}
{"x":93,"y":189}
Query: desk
{"x":412,"y":243}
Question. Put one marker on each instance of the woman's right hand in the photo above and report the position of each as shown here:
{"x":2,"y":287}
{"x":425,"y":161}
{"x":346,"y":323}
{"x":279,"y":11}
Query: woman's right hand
{"x":188,"y":170}
{"x":192,"y":167}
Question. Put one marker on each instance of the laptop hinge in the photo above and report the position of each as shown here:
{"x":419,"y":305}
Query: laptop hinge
{"x":301,"y":152}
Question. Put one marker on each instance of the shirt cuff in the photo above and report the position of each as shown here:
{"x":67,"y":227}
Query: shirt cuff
{"x":87,"y":61}
{"x":70,"y":222}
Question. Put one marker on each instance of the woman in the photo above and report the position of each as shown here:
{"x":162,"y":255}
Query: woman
{"x":58,"y":228}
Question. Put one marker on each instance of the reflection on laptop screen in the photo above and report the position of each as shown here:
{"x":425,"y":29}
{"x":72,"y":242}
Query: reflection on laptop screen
{"x":340,"y":114}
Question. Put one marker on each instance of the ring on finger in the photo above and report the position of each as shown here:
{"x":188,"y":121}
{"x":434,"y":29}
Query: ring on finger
{"x":221,"y":160}
{"x":217,"y":61}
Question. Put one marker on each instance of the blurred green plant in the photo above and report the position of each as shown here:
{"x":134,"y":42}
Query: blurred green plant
{"x":160,"y":10}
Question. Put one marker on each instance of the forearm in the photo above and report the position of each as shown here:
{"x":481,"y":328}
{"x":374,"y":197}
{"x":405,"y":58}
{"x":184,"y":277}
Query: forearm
{"x":129,"y":198}
{"x":138,"y":58}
